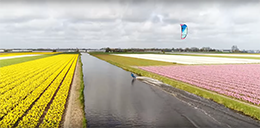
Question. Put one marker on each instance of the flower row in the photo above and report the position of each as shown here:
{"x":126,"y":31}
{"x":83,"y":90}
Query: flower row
{"x":26,"y":100}
{"x":238,"y":81}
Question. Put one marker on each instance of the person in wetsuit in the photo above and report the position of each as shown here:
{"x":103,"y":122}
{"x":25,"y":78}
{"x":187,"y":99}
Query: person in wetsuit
{"x":133,"y":75}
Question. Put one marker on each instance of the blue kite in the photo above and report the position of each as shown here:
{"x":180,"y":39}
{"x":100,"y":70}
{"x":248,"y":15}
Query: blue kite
{"x":184,"y":31}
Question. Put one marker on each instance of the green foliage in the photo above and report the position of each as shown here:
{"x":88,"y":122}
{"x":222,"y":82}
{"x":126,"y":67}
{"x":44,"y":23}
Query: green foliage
{"x":81,"y":97}
{"x":81,"y":83}
{"x":108,"y":49}
{"x":84,"y":122}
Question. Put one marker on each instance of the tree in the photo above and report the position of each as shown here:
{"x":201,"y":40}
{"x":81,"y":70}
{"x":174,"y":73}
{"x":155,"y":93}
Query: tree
{"x":194,"y":49}
{"x":108,"y":49}
{"x":234,"y":48}
{"x":187,"y":49}
{"x":163,"y":51}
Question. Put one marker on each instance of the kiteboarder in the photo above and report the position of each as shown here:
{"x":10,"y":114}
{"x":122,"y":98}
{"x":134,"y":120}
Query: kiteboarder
{"x":133,"y":76}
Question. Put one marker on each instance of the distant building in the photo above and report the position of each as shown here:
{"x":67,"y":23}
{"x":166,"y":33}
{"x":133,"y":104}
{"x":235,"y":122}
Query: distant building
{"x":2,"y":50}
{"x":96,"y":50}
{"x":72,"y":51}
{"x":20,"y":50}
{"x":252,"y":51}
{"x":244,"y":51}
{"x":153,"y":51}
{"x":225,"y":50}
{"x":82,"y":50}
{"x":66,"y":50}
{"x":43,"y":51}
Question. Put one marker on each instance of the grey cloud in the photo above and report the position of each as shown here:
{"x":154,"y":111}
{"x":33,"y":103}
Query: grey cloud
{"x":217,"y":24}
{"x":19,"y":19}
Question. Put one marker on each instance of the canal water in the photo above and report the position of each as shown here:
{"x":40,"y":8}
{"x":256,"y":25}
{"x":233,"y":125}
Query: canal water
{"x":113,"y":99}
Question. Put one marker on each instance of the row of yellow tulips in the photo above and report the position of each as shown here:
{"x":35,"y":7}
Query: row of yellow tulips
{"x":8,"y":100}
{"x":23,"y":78}
{"x":54,"y":115}
{"x":23,"y":96}
{"x":34,"y":114}
{"x":13,"y":72}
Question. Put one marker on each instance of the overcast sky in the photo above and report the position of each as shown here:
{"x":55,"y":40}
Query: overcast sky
{"x":130,"y":24}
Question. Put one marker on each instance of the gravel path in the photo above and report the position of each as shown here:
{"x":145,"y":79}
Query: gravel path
{"x":74,"y":112}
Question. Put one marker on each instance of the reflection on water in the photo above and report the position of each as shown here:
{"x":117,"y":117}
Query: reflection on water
{"x":133,"y":81}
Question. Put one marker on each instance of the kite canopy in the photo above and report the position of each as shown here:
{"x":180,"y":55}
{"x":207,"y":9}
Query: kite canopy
{"x":184,"y":31}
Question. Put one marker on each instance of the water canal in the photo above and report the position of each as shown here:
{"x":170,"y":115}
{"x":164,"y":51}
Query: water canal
{"x":112,"y":99}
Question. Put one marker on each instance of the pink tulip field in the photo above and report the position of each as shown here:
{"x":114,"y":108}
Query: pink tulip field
{"x":238,"y":81}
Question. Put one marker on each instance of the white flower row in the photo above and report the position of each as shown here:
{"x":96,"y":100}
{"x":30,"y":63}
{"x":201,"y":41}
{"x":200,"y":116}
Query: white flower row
{"x":182,"y":59}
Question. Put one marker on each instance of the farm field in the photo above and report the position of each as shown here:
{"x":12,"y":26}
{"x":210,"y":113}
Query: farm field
{"x":237,"y":81}
{"x":34,"y":93}
{"x":186,"y":59}
{"x":11,"y":61}
{"x":17,"y":56}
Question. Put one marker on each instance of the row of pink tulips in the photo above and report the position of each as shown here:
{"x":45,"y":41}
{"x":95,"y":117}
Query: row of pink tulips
{"x":238,"y":81}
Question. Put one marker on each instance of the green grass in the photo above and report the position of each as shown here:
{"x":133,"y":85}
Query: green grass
{"x":81,"y":97}
{"x":7,"y":62}
{"x":129,"y":61}
{"x":245,"y":108}
{"x":81,"y":82}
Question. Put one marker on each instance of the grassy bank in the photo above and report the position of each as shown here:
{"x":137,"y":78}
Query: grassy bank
{"x":229,"y":102}
{"x":81,"y":97}
{"x":130,"y":61}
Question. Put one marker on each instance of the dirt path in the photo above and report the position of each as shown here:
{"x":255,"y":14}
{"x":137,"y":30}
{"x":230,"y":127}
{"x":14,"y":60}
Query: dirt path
{"x":74,"y":112}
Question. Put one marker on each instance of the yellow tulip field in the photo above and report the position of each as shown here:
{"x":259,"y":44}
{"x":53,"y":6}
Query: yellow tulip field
{"x":34,"y":93}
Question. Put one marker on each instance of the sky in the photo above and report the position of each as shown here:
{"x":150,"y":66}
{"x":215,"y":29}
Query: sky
{"x":129,"y":24}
